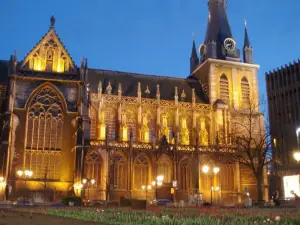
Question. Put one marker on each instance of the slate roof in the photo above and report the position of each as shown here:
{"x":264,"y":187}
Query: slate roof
{"x":130,"y":81}
{"x":3,"y":71}
{"x":218,"y":28}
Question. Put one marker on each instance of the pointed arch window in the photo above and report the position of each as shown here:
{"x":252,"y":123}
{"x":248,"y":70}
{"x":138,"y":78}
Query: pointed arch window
{"x":141,"y":172}
{"x":245,"y":89}
{"x":224,"y":88}
{"x":227,"y":178}
{"x":45,"y":119}
{"x":165,"y":168}
{"x":93,"y":168}
{"x":185,"y":179}
{"x":119,"y":171}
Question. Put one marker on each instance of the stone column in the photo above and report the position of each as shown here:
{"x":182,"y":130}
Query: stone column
{"x":238,"y":181}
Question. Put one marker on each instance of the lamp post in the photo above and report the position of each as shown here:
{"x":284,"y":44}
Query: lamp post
{"x":215,"y":171}
{"x":146,"y":189}
{"x":24,"y":174}
{"x":88,"y":182}
{"x":157,"y":183}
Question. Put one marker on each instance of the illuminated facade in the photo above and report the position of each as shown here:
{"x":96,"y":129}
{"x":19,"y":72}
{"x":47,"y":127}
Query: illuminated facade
{"x":123,"y":130}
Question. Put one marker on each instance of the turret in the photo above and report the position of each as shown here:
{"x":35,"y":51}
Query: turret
{"x":247,"y":49}
{"x":194,"y":60}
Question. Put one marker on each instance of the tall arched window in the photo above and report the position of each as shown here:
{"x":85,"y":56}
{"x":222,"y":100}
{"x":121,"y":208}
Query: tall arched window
{"x":227,"y":178}
{"x":165,"y":168}
{"x":224,"y":88}
{"x":185,"y":178}
{"x":93,"y":168}
{"x":119,"y":171}
{"x":141,"y":171}
{"x":245,"y":89}
{"x":44,"y":130}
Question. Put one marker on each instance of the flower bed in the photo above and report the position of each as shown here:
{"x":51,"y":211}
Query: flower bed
{"x":175,"y":217}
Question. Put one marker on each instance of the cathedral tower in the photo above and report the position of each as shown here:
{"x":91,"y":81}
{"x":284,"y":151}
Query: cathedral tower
{"x":221,"y":72}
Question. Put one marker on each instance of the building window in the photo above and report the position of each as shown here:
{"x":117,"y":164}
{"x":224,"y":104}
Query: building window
{"x":245,"y":89}
{"x":224,"y":88}
{"x":141,"y":171}
{"x":185,"y":181}
{"x":165,"y":168}
{"x":119,"y":170}
{"x":93,"y":168}
{"x":44,"y":133}
{"x":227,"y":178}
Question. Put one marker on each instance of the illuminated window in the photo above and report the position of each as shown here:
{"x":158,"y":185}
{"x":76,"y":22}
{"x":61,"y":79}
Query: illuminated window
{"x":93,"y":167}
{"x":224,"y":88}
{"x":141,"y":172}
{"x":245,"y":89}
{"x":185,"y":179}
{"x":119,"y":172}
{"x":164,"y":167}
{"x":291,"y":184}
{"x":227,"y":178}
{"x":44,"y":133}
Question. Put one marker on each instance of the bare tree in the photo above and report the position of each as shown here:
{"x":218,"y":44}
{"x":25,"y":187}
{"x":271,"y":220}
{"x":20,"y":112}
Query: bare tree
{"x":252,"y":141}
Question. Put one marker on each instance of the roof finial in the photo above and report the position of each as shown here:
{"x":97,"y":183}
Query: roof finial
{"x":245,"y":22}
{"x":193,"y":36}
{"x":52,"y":22}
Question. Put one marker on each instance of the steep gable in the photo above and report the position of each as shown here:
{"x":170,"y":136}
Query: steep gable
{"x":49,"y":55}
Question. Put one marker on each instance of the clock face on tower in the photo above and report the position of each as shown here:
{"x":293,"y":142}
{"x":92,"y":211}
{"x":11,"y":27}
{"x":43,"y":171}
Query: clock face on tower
{"x":229,"y":44}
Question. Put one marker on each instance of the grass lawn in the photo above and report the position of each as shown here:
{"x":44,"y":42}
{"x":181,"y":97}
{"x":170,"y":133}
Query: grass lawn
{"x":154,"y":216}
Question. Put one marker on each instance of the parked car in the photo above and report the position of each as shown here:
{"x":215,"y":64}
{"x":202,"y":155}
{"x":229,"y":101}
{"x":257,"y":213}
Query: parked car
{"x":58,"y":204}
{"x":95,"y":203}
{"x":23,"y":203}
{"x":161,"y":202}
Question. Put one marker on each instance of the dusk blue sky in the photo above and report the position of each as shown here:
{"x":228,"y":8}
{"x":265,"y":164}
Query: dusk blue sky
{"x":149,"y":36}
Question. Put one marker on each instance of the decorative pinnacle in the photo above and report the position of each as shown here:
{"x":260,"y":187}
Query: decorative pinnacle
{"x":193,"y":36}
{"x":52,"y":22}
{"x":245,"y":22}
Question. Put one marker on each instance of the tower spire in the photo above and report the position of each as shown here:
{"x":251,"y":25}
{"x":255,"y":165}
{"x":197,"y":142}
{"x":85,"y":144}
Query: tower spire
{"x":218,"y":32}
{"x":247,"y":49}
{"x":246,"y":40}
{"x":194,"y":60}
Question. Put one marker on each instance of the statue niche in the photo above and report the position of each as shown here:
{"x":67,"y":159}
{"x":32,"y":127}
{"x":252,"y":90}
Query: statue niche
{"x":185,"y":139}
{"x":165,"y":129}
{"x":145,"y":130}
{"x":203,"y":134}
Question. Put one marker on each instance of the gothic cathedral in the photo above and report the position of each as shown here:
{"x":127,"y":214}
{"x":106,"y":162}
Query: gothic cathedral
{"x":66,"y":127}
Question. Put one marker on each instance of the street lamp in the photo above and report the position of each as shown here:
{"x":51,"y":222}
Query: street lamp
{"x":2,"y":185}
{"x":24,"y":174}
{"x":297,"y":156}
{"x":87,"y":182}
{"x":157,"y":183}
{"x":215,"y":171}
{"x":146,"y":189}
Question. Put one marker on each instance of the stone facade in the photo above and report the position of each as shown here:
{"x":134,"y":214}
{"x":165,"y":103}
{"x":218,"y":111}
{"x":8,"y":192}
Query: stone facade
{"x":119,"y":131}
